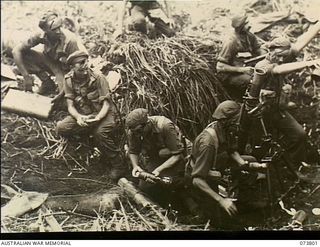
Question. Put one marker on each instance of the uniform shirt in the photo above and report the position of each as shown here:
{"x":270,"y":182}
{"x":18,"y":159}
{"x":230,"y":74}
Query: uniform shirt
{"x":164,"y":134}
{"x":205,"y":148}
{"x":88,"y":95}
{"x":236,"y":43}
{"x":66,"y":45}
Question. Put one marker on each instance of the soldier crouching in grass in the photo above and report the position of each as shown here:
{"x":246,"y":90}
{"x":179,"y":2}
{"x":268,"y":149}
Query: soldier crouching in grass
{"x":140,"y":11}
{"x":91,"y":111}
{"x":213,"y":151}
{"x":58,"y":43}
{"x":156,"y":146}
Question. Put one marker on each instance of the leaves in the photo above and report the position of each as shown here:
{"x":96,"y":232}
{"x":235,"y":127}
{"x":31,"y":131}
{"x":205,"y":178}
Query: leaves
{"x":170,"y":76}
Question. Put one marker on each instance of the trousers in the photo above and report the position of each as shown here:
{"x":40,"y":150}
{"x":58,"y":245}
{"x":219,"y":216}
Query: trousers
{"x":41,"y":65}
{"x":104,"y":135}
{"x":138,"y":22}
{"x":283,"y":122}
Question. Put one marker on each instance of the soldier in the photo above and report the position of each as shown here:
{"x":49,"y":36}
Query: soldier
{"x":214,"y":150}
{"x":58,"y":44}
{"x":140,"y":10}
{"x":162,"y":146}
{"x":91,"y":111}
{"x":270,"y":85}
{"x":234,"y":76}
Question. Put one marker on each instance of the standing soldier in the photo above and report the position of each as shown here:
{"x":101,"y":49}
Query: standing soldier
{"x":162,"y":146}
{"x":270,"y":85}
{"x":140,"y":10}
{"x":58,"y":44}
{"x":234,"y":76}
{"x":91,"y":111}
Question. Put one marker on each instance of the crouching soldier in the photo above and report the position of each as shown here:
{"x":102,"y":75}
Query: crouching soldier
{"x":162,"y":147}
{"x":234,"y":76}
{"x":140,"y":11}
{"x":91,"y":111}
{"x":58,"y":44}
{"x":213,"y":151}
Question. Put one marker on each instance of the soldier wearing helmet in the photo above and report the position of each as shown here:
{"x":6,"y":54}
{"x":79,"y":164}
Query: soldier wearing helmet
{"x":91,"y":111}
{"x":234,"y":76}
{"x":58,"y":44}
{"x":162,"y":146}
{"x":270,"y":87}
{"x":214,"y":150}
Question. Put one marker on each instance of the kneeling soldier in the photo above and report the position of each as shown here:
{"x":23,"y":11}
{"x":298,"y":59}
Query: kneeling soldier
{"x":162,"y":147}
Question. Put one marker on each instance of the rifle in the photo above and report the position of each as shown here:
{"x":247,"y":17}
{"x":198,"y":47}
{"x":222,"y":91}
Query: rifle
{"x":151,"y":178}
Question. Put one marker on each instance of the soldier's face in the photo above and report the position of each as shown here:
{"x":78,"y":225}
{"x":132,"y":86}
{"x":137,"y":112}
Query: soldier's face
{"x":54,"y":34}
{"x":232,"y":123}
{"x":247,"y":27}
{"x":140,"y":129}
{"x":80,"y":67}
{"x":279,"y":55}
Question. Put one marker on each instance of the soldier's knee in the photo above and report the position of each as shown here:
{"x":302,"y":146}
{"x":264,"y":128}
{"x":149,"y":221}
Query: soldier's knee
{"x":102,"y":132}
{"x":61,"y":129}
{"x":138,"y":24}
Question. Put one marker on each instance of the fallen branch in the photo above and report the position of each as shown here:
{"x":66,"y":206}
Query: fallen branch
{"x":51,"y":220}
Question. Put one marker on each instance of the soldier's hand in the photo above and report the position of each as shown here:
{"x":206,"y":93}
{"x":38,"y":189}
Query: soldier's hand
{"x":57,"y":98}
{"x":228,"y":205}
{"x":136,"y":170}
{"x":92,"y":119}
{"x":171,"y":23}
{"x":81,"y":121}
{"x":28,"y":82}
{"x":247,"y":70}
{"x":156,"y":173}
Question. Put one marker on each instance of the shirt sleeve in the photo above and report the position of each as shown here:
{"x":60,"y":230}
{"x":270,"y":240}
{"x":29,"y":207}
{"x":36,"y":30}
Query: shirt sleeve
{"x":103,"y":89}
{"x":171,"y":138}
{"x":32,"y":41}
{"x":204,"y":161}
{"x":68,"y":90}
{"x":228,"y":51}
{"x":255,"y":44}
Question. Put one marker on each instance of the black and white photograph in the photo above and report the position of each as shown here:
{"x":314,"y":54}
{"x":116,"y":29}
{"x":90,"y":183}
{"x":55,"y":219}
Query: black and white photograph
{"x":160,"y":116}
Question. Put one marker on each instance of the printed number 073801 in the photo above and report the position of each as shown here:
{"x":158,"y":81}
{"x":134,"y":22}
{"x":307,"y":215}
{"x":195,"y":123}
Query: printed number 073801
{"x":308,"y":242}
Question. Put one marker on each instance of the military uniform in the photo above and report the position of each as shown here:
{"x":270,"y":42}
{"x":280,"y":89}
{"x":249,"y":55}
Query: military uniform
{"x":138,"y":13}
{"x":276,"y":115}
{"x":234,"y":44}
{"x":52,"y":58}
{"x":211,"y":152}
{"x":164,"y":134}
{"x":88,"y":97}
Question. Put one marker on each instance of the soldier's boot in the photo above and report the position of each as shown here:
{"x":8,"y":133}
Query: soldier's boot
{"x":117,"y":169}
{"x":47,"y":86}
